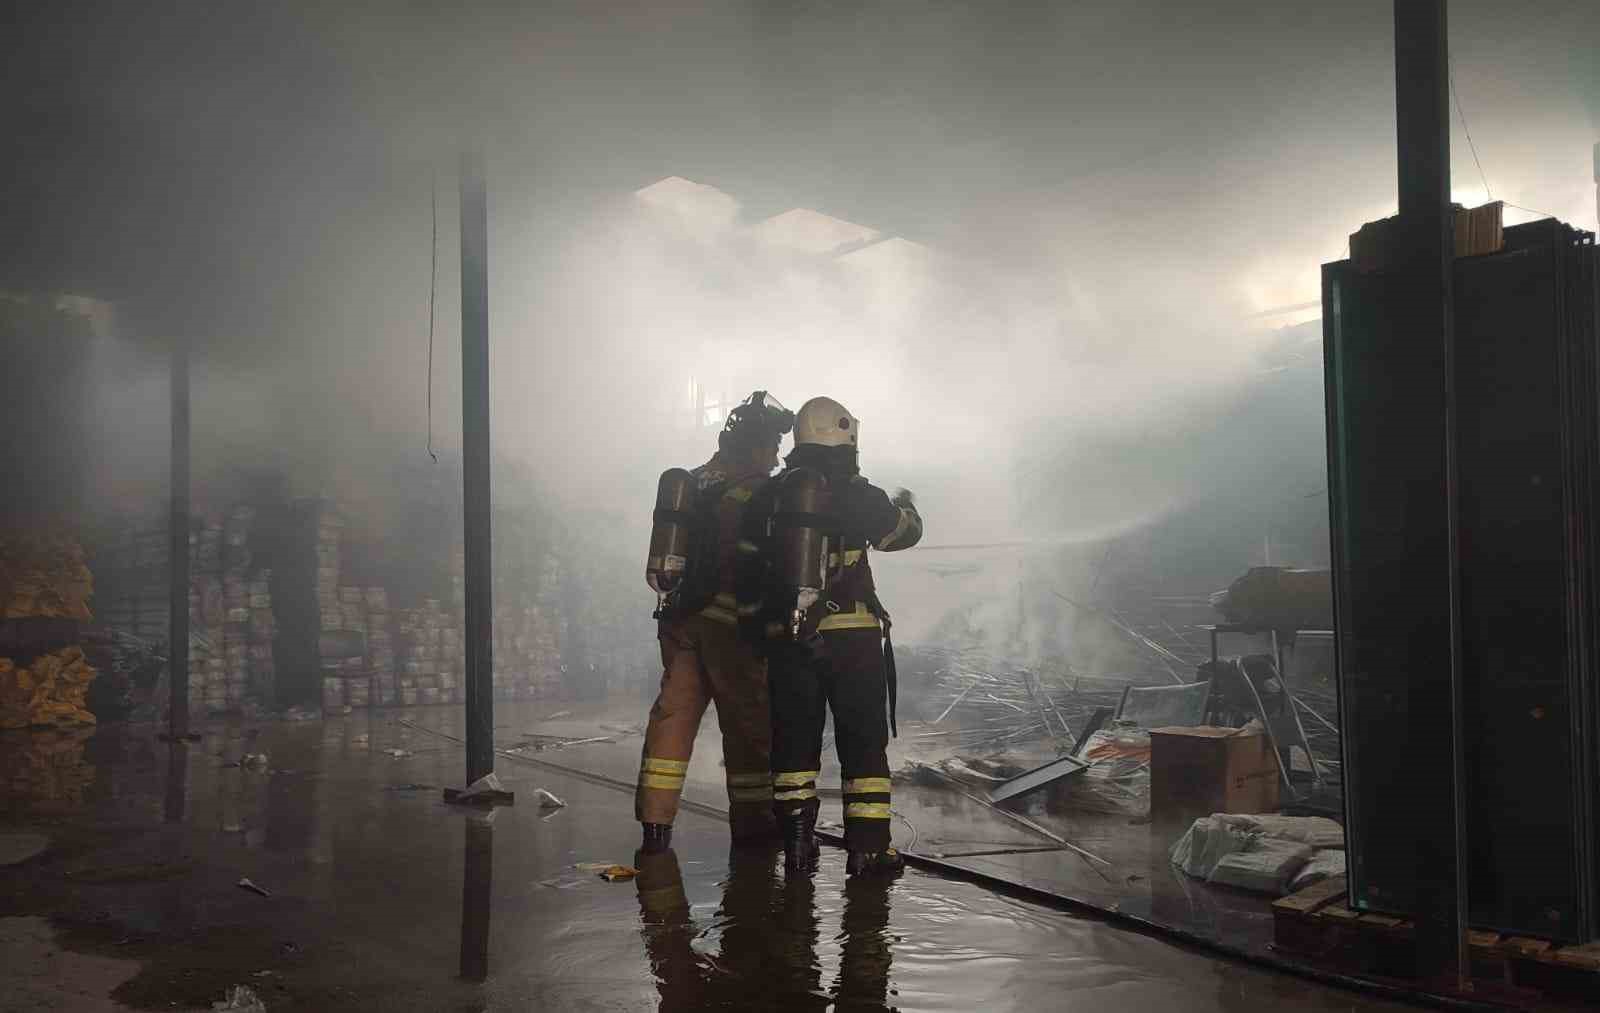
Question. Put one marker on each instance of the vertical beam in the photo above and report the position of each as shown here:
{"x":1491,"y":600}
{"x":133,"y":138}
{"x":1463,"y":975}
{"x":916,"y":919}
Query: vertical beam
{"x":475,"y":461}
{"x":1434,"y":698}
{"x":178,"y":547}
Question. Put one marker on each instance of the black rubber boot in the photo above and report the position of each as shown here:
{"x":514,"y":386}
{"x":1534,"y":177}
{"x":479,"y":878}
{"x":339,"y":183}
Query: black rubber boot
{"x":800,"y":847}
{"x":657,"y":838}
{"x":874,"y":863}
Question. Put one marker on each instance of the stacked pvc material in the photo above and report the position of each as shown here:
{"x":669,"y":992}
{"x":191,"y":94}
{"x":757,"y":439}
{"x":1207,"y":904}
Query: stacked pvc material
{"x":236,"y":604}
{"x":335,"y":665}
{"x":353,"y":619}
{"x":208,"y":621}
{"x":380,"y":648}
{"x":423,"y":652}
{"x":263,"y":630}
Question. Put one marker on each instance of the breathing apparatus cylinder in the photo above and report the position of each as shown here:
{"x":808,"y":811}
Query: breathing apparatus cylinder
{"x":673,"y":520}
{"x":801,"y":529}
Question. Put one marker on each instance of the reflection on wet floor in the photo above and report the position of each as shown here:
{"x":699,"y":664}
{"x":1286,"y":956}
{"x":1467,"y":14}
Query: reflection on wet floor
{"x":366,"y":910}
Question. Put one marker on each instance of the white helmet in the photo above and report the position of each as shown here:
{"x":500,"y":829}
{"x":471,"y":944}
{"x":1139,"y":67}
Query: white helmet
{"x":826,"y":423}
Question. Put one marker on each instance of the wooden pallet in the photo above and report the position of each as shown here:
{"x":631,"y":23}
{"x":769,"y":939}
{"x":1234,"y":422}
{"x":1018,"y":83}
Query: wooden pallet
{"x":1317,"y":923}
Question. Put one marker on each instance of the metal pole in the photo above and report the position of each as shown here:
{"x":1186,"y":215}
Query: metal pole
{"x":178,"y":548}
{"x":475,"y":462}
{"x":1427,"y":258}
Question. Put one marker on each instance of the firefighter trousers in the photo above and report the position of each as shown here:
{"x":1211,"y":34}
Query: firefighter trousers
{"x":845,"y":674}
{"x":705,"y":661}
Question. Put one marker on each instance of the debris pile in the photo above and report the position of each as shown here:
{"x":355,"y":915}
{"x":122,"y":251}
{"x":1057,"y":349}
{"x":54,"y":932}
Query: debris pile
{"x":1263,"y":854}
{"x":986,"y":712}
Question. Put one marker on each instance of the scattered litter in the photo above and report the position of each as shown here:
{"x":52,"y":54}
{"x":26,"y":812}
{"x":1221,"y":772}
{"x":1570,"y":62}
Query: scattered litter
{"x":256,"y":761}
{"x":409,"y":787}
{"x":618,"y":872}
{"x":562,"y":884}
{"x":538,"y":743}
{"x":361,"y":740}
{"x":298,"y":713}
{"x":232,"y":828}
{"x":595,"y":866}
{"x":245,"y":884}
{"x":486,"y":787}
{"x":547,"y":800}
{"x":398,"y":754}
{"x":240,"y":999}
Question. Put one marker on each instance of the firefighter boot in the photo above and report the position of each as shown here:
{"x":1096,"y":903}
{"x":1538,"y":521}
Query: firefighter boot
{"x":657,"y":838}
{"x":800,"y":848}
{"x":874,"y":863}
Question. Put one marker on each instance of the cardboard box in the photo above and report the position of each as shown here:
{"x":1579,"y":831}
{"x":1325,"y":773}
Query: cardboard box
{"x":1203,"y":770}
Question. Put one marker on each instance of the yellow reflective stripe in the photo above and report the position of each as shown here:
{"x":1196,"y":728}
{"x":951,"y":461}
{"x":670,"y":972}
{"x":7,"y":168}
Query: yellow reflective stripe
{"x":719,"y":615}
{"x":759,"y":794}
{"x":851,"y":557}
{"x":666,"y":782}
{"x":794,"y":795}
{"x":860,"y":619}
{"x":725,"y":599}
{"x":746,"y":546}
{"x":908,"y":520}
{"x":739,"y":494}
{"x":747,"y":780}
{"x":794,"y":778}
{"x":867,"y":786}
{"x":867,"y":811}
{"x":655,"y":765}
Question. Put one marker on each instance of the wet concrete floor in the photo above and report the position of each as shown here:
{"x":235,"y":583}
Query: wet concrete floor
{"x":382,"y":897}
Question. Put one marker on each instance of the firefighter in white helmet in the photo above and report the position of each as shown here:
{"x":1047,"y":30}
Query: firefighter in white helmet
{"x":829,"y":649}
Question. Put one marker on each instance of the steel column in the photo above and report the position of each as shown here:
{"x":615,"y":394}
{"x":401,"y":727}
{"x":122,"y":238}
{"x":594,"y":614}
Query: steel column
{"x":178,"y":547}
{"x":1427,"y":258}
{"x":475,"y":465}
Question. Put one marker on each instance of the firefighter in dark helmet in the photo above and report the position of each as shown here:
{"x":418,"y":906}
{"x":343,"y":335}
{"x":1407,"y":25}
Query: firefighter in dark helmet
{"x":806,"y":592}
{"x":691,"y":566}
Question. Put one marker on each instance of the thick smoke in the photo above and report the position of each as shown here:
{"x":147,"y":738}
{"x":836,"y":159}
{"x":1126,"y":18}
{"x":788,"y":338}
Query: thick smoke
{"x":1026,"y":248}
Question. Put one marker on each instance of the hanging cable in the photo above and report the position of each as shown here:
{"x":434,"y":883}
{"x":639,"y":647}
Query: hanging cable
{"x":1465,"y":130}
{"x":433,"y":284}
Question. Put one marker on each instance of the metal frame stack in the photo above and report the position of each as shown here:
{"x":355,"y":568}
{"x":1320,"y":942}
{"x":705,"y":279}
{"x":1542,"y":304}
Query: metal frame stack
{"x":1526,"y":449}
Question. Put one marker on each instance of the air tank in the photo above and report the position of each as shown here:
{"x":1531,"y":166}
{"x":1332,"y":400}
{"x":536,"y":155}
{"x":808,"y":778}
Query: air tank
{"x":801,"y":531}
{"x":668,"y":559}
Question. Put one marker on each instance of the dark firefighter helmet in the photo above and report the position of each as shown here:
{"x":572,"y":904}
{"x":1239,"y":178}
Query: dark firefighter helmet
{"x":758,"y":420}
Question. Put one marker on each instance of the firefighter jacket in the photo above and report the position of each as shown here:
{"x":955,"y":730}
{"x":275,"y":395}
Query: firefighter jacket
{"x":722,"y":493}
{"x":863,"y":517}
